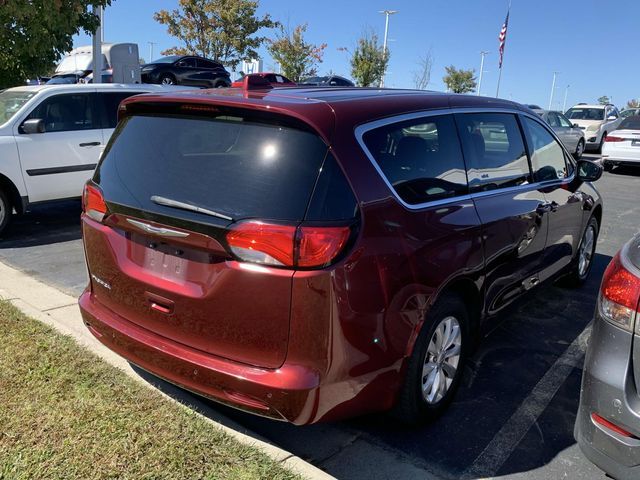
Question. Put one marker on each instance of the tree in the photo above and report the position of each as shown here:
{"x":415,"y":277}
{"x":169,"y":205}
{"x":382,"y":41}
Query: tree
{"x":633,"y":103}
{"x":36,"y":33}
{"x":297,"y":58}
{"x":459,"y":80}
{"x":369,"y":61}
{"x":222,"y":30}
{"x":604,"y":100}
{"x":422,"y":76}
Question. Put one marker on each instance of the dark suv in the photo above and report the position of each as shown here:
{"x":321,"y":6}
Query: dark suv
{"x":186,"y":70}
{"x":313,"y":254}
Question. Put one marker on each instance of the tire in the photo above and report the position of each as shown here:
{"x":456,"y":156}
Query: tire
{"x":417,"y":403}
{"x":220,"y":84}
{"x":579,"y":149}
{"x":579,"y":271}
{"x":6,"y":210}
{"x":167,"y":79}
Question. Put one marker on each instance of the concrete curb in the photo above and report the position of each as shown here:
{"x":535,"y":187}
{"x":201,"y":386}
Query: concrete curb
{"x":60,"y":311}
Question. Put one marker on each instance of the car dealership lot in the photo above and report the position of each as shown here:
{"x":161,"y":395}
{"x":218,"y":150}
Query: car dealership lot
{"x":514,"y":415}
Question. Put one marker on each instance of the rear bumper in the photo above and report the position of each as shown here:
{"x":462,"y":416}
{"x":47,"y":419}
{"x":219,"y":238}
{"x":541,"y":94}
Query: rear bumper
{"x":288,"y":393}
{"x":608,"y":389}
{"x":615,"y":161}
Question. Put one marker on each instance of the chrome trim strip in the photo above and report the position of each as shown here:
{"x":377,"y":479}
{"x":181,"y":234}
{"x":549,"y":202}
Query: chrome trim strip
{"x":164,"y":232}
{"x":360,"y":130}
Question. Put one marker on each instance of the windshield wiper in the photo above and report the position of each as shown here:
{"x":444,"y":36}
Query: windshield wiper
{"x":168,"y":202}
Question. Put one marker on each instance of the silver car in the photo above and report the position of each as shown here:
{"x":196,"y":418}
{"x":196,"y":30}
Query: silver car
{"x":608,"y":422}
{"x":571,"y":134}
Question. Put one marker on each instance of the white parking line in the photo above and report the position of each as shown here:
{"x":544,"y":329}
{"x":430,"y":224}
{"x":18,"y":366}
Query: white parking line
{"x":496,"y":453}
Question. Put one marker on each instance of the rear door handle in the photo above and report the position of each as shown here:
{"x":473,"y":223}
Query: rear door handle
{"x":90,"y":144}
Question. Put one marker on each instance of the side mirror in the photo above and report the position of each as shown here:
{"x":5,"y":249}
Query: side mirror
{"x":575,"y":125}
{"x":35,"y":125}
{"x":333,"y":82}
{"x":589,"y":171}
{"x":611,"y":118}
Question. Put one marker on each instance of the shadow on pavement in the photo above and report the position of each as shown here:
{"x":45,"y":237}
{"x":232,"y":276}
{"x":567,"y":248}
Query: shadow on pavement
{"x":626,"y":171}
{"x":44,"y":225}
{"x":500,"y":376}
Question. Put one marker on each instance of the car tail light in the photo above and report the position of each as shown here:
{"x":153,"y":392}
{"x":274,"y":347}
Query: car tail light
{"x":93,"y":204}
{"x":612,"y":426}
{"x":611,"y":139}
{"x":286,"y":245}
{"x":619,"y":294}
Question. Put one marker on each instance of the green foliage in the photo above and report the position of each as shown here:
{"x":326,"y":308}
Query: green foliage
{"x":369,"y":61}
{"x":297,"y":58}
{"x":459,"y":80}
{"x":604,"y":100}
{"x":36,"y":33}
{"x":222,"y":30}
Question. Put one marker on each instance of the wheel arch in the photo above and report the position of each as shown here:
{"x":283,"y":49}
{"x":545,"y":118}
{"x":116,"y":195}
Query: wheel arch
{"x":11,"y":190}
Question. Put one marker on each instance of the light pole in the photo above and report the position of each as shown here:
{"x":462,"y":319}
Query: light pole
{"x":387,"y":13}
{"x":564,"y":104}
{"x":151,"y":44}
{"x":553,"y":87}
{"x":96,"y":47}
{"x":482,"y":55}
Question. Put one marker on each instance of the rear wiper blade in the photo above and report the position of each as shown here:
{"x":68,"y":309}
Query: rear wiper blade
{"x":168,"y":202}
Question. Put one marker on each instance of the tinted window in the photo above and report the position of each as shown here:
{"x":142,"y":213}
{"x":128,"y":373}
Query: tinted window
{"x":110,"y":102}
{"x":494,"y":150}
{"x":421,"y":158}
{"x":62,"y":113}
{"x":229,"y":165}
{"x":564,"y":121}
{"x":579,"y":113}
{"x":547,"y":156}
{"x":552,"y":119}
{"x":187,"y":62}
{"x":630,"y":123}
{"x":332,"y":198}
{"x":206,"y":63}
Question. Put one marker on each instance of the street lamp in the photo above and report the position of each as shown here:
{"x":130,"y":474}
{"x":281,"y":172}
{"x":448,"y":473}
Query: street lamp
{"x":482,"y":55}
{"x":564,"y":104}
{"x":151,"y":44}
{"x":387,"y":13}
{"x":553,"y":87}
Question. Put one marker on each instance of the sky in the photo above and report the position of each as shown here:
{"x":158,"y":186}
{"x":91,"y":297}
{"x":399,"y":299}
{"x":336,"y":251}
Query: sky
{"x":590,"y":43}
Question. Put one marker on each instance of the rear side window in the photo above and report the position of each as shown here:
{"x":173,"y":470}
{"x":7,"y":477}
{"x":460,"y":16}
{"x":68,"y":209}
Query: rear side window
{"x":494,"y":150}
{"x":238,"y":168}
{"x":420,"y":158}
{"x":110,"y":102}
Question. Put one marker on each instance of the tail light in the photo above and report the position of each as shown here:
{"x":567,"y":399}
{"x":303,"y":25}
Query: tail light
{"x":612,"y":426}
{"x":93,"y":204}
{"x":619,"y":295}
{"x":288,"y":246}
{"x":612,"y":139}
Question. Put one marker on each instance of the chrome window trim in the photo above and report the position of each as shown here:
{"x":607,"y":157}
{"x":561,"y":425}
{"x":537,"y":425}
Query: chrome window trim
{"x":360,"y":130}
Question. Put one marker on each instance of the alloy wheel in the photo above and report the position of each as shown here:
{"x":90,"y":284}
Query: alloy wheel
{"x":585,"y":254}
{"x":441,"y":360}
{"x":167,"y":81}
{"x":580,"y":149}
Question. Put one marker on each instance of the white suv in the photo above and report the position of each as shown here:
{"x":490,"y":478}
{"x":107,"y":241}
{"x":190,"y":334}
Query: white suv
{"x":597,"y":121}
{"x":51,"y":137}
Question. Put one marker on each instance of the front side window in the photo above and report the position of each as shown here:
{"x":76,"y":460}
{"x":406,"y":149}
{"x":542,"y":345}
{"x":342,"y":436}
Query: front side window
{"x":564,"y":121}
{"x":420,"y":158}
{"x":547,"y":156}
{"x":68,"y":112}
{"x":494,"y":149}
{"x":552,"y":119}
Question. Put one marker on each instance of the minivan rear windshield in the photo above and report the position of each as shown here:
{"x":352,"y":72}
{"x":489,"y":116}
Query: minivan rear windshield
{"x":235,"y":167}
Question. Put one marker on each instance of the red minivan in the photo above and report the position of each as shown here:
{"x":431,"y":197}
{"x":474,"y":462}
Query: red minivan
{"x":313,"y":254}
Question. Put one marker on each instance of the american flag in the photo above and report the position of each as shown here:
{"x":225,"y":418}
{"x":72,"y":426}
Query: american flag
{"x":503,"y":38}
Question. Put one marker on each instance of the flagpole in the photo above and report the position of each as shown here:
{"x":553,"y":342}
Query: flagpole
{"x":504,"y":47}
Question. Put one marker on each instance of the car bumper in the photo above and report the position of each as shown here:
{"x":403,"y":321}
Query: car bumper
{"x":615,"y":162}
{"x":608,"y":389}
{"x":592,"y":139}
{"x":287,"y":393}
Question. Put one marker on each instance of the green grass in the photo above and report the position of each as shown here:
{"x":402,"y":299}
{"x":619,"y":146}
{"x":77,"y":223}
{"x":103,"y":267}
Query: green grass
{"x":66,"y":414}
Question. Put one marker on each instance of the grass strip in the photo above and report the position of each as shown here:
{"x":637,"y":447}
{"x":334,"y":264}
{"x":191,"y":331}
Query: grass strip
{"x":66,"y":414}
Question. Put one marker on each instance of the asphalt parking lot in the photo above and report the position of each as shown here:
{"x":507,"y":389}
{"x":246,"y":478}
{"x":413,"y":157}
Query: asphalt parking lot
{"x":513,"y":417}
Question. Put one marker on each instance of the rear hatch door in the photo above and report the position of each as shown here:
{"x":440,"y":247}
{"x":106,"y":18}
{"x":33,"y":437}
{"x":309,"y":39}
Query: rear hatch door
{"x":174,"y":184}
